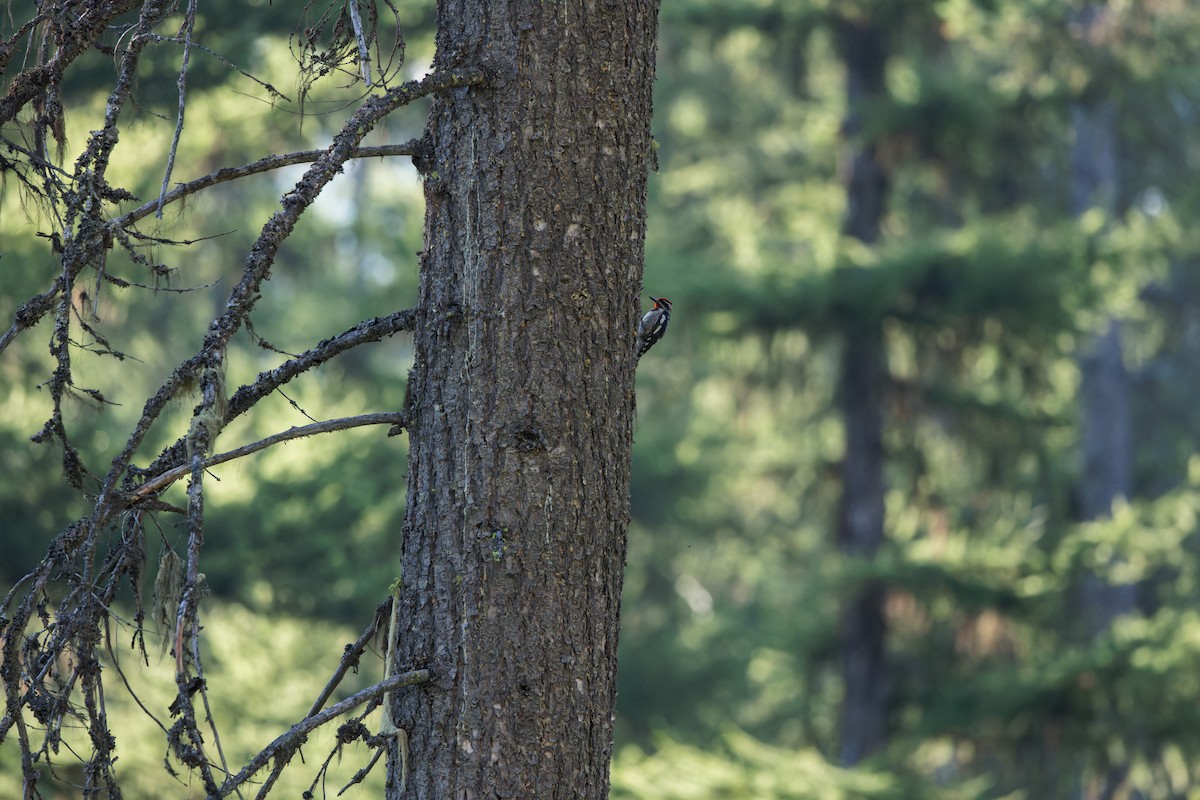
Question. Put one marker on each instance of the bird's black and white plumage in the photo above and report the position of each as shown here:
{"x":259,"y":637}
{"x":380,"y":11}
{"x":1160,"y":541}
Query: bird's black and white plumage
{"x":653,"y":325}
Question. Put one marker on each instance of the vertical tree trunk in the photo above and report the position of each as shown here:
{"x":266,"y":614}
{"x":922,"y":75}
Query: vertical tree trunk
{"x":862,"y":380}
{"x":860,"y":533}
{"x":1107,"y":449}
{"x":514,"y":537}
{"x":1104,"y":386}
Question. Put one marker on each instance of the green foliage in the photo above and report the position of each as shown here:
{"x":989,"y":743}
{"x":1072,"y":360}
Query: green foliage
{"x":742,"y":768}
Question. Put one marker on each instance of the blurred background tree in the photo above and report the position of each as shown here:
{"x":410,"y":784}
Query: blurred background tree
{"x":1017,"y":154}
{"x":1002,"y":667}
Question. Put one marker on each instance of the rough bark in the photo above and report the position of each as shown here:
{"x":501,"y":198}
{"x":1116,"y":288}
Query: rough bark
{"x":863,"y":376}
{"x":521,"y":400}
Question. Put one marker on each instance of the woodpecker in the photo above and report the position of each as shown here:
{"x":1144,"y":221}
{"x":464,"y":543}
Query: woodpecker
{"x":653,"y":325}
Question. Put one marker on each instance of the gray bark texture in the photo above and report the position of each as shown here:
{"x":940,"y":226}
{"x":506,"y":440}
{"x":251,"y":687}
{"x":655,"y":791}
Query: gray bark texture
{"x":521,"y":400}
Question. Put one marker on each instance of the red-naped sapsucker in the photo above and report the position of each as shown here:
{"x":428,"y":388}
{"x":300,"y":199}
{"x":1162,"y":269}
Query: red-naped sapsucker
{"x":653,"y":325}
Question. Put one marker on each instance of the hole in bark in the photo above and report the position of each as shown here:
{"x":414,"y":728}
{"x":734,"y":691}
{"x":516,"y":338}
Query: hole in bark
{"x":529,"y":438}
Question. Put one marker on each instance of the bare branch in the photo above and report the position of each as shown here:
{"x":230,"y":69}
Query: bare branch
{"x":262,"y":165}
{"x":361,"y":775}
{"x":86,"y":242}
{"x":230,"y":65}
{"x":350,"y":658}
{"x":76,"y":40}
{"x":212,"y":722}
{"x":287,"y":742}
{"x":164,"y":480}
{"x":185,"y":735}
{"x":371,"y":330}
{"x":262,"y":257}
{"x":189,"y":25}
{"x":267,"y":382}
{"x":29,"y":314}
{"x":351,"y":655}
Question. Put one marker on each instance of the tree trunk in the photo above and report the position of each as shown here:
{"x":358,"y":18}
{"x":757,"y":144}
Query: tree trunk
{"x":860,"y":533}
{"x":1104,"y":398}
{"x":862,"y":379}
{"x":1104,"y":384}
{"x":521,"y":401}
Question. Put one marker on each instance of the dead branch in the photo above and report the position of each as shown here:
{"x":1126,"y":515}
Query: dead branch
{"x":262,"y":256}
{"x":156,"y":485}
{"x":364,"y":52}
{"x":350,"y":659}
{"x":271,"y":90}
{"x":88,"y":574}
{"x":244,"y":399}
{"x":289,"y":741}
{"x":262,"y":165}
{"x":32,"y":310}
{"x":76,"y":40}
{"x":351,"y":655}
{"x":189,"y":25}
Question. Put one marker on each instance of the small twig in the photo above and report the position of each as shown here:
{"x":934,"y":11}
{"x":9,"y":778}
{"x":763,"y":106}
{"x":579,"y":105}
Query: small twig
{"x":265,"y":164}
{"x":361,"y":775}
{"x":212,"y":723}
{"x":34,"y":159}
{"x":350,"y":657}
{"x":228,"y":64}
{"x":164,"y":480}
{"x":13,"y":591}
{"x":189,"y":24}
{"x":153,"y":240}
{"x":116,"y":661}
{"x":294,"y":736}
{"x":296,"y":406}
{"x":347,"y":732}
{"x":370,"y":330}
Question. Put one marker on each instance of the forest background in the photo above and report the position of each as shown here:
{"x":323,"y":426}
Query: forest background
{"x":914,"y":499}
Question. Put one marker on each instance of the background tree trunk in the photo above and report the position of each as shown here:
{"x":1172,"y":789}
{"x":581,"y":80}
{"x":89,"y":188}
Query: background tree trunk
{"x":861,"y":382}
{"x":518,"y":490}
{"x":1104,"y":382}
{"x":860,"y":533}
